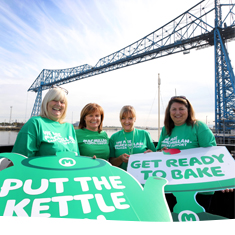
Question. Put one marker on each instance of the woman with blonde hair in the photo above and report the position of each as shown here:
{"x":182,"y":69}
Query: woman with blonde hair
{"x":46,"y":134}
{"x":129,"y":140}
{"x":92,"y":140}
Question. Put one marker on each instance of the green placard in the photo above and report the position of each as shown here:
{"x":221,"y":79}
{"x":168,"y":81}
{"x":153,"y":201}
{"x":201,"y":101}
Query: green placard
{"x":69,"y":186}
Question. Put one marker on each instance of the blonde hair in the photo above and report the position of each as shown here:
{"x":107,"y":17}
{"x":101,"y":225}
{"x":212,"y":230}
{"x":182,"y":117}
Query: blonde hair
{"x":88,"y":109}
{"x":127,"y":109}
{"x":57,"y":94}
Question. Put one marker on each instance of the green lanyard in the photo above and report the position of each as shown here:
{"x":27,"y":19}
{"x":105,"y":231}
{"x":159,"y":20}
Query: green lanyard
{"x":132,"y":143}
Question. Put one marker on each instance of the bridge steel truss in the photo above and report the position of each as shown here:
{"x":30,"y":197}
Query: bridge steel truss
{"x":224,"y":76}
{"x":208,"y":23}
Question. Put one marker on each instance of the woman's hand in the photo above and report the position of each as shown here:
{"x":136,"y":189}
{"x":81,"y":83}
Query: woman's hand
{"x":117,"y":161}
{"x":227,"y":190}
{"x":94,"y":157}
{"x":148,"y":151}
{"x":164,"y":148}
{"x":124,"y":157}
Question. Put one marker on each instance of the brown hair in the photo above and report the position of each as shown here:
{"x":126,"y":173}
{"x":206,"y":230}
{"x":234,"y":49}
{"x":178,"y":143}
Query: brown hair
{"x":168,"y":122}
{"x":90,"y":108}
{"x":127,"y":109}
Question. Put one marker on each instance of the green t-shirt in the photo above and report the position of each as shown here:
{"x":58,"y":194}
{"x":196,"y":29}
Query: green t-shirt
{"x":187,"y":137}
{"x":92,"y":143}
{"x":43,"y":137}
{"x":118,"y":145}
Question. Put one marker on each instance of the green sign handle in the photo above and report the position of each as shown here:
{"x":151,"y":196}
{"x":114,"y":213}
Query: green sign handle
{"x":186,"y":201}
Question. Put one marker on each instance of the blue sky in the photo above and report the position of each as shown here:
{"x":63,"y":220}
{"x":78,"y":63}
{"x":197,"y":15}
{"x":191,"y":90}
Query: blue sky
{"x":52,"y":34}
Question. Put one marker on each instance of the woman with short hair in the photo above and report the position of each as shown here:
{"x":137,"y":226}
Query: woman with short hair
{"x":47,"y":134}
{"x":92,"y":140}
{"x":129,"y":140}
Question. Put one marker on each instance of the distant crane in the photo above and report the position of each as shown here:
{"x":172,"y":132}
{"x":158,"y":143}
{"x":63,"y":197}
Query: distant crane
{"x":201,"y":26}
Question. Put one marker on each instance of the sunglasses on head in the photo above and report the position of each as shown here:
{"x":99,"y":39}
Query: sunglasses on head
{"x":181,"y":97}
{"x":55,"y":86}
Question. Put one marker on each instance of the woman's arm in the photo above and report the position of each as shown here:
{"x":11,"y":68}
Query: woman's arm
{"x":117,"y":161}
{"x":159,"y":145}
{"x":26,"y":142}
{"x":205,"y":136}
{"x":149,"y":142}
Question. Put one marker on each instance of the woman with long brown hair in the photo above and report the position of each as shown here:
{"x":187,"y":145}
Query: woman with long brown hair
{"x":182,"y":131}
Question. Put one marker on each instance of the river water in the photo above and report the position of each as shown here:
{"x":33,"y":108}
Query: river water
{"x":9,"y":137}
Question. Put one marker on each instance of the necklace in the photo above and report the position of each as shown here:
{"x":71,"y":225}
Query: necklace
{"x":132,"y":143}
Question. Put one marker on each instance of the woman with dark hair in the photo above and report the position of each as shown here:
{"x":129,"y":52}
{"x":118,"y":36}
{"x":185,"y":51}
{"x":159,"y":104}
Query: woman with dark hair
{"x":92,"y":140}
{"x":182,"y":131}
{"x":129,"y":140}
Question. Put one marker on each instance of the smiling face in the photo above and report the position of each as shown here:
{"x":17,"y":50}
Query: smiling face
{"x":55,"y":109}
{"x":178,"y":113}
{"x":93,"y":121}
{"x":127,"y":122}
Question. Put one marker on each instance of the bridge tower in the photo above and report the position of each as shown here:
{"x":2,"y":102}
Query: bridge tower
{"x":208,"y":27}
{"x":224,"y":79}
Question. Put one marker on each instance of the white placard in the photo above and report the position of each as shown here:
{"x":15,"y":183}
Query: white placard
{"x":189,"y":166}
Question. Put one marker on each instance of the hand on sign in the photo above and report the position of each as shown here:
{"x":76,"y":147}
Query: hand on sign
{"x":164,"y":148}
{"x":124,"y":157}
{"x":227,"y":190}
{"x":148,"y":151}
{"x":94,"y":157}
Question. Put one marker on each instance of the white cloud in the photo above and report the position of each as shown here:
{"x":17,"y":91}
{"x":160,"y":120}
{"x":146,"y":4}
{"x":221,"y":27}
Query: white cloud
{"x":63,"y":34}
